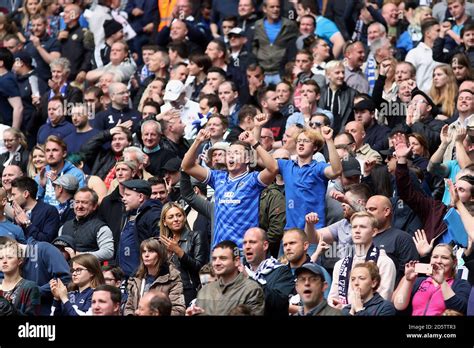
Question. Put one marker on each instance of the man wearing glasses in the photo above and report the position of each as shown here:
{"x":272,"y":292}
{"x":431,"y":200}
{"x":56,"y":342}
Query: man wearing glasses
{"x":118,"y":110}
{"x":310,"y":285}
{"x":306,"y":179}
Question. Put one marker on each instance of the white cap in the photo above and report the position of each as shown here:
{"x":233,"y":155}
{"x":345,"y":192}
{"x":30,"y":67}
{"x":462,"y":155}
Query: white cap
{"x":173,"y":90}
{"x":235,"y":31}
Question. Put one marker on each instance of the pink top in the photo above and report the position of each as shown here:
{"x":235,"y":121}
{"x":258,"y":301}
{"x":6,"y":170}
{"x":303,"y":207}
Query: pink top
{"x":428,"y":299}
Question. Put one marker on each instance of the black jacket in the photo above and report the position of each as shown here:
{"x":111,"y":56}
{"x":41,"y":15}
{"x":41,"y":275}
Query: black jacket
{"x":44,"y":223}
{"x":112,"y":212}
{"x":20,"y":159}
{"x":346,"y":97}
{"x":279,"y":286}
{"x":78,"y":47}
{"x":148,"y":219}
{"x":196,"y":254}
{"x":96,"y":157}
{"x":445,"y":57}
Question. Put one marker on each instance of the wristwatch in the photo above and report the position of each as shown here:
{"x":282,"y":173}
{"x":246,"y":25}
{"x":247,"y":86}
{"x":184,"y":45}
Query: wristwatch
{"x":27,"y":223}
{"x":256,"y":145}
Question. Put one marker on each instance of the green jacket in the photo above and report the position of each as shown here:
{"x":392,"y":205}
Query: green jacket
{"x":273,"y":57}
{"x":217,"y":298}
{"x":272,"y":215}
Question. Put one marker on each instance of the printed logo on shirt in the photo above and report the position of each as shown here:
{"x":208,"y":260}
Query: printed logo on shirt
{"x":228,"y":198}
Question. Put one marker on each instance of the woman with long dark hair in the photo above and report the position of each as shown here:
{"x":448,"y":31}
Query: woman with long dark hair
{"x":155,"y":272}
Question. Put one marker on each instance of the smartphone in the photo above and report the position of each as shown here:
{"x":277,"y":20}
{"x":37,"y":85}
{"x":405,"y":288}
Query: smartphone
{"x":424,"y":268}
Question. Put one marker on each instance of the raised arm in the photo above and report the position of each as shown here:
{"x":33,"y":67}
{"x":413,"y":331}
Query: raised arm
{"x":335,"y":169}
{"x":435,"y":165}
{"x":267,"y":176}
{"x":402,"y":295}
{"x":466,"y":217}
{"x":315,"y":236}
{"x":189,"y":163}
{"x":461,"y":153}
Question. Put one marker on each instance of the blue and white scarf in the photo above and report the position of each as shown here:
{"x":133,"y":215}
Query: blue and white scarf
{"x":265,"y":267}
{"x":346,"y":267}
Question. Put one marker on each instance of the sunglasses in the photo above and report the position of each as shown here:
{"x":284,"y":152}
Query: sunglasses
{"x":315,"y":124}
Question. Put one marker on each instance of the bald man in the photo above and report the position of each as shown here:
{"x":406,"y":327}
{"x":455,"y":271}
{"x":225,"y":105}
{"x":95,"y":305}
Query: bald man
{"x":363,"y":150}
{"x":277,"y":281}
{"x":154,"y":303}
{"x":398,"y":244}
{"x":10,"y":173}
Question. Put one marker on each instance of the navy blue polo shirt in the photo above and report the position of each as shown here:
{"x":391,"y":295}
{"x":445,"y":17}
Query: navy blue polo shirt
{"x":8,"y":89}
{"x":108,"y":119}
{"x":50,"y":44}
{"x":305,"y":191}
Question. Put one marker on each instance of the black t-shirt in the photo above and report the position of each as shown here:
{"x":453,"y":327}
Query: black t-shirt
{"x":277,"y":124}
{"x":399,"y":246}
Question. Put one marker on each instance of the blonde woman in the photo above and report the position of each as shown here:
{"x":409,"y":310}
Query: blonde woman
{"x":444,"y":91}
{"x":188,"y":250}
{"x":36,"y":161}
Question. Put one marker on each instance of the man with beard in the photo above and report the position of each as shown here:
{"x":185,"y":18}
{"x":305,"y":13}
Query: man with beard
{"x":83,"y":132}
{"x":41,"y":47}
{"x":56,"y":152}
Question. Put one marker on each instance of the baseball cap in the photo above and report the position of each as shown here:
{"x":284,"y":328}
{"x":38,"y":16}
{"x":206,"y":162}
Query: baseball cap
{"x":24,"y":57}
{"x":137,"y":185}
{"x":65,"y":241}
{"x":235,"y":31}
{"x":350,"y":166}
{"x":365,"y":104}
{"x":313,"y":268}
{"x":67,"y":181}
{"x":173,"y":90}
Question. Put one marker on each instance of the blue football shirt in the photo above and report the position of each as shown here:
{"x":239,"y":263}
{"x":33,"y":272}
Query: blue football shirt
{"x":236,"y":204}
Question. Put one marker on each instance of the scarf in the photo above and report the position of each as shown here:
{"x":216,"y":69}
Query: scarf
{"x":265,"y":267}
{"x":201,"y":122}
{"x":346,"y":266}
